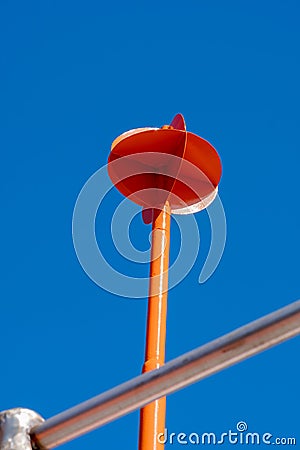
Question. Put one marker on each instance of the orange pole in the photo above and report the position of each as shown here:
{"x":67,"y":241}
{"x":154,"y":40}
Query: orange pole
{"x":152,"y":416}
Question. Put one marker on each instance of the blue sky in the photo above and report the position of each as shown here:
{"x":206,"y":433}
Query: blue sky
{"x":74,"y":75}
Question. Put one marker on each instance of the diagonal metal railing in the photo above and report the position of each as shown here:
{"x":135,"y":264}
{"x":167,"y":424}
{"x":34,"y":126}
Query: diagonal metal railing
{"x":189,"y":368}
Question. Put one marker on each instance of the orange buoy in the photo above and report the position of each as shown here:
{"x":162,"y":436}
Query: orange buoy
{"x":167,"y":163}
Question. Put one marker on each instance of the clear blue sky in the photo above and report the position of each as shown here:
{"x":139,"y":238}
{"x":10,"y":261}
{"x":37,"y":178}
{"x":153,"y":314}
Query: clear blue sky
{"x":73,"y":76}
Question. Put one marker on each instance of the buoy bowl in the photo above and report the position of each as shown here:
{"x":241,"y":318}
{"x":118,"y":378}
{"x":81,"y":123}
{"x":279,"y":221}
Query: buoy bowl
{"x":153,"y":165}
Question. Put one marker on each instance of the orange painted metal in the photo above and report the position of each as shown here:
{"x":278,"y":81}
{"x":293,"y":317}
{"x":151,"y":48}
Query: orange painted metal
{"x":167,"y":163}
{"x":164,"y":170}
{"x":152,"y":416}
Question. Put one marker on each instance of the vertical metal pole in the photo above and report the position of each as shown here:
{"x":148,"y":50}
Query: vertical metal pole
{"x":152,"y":416}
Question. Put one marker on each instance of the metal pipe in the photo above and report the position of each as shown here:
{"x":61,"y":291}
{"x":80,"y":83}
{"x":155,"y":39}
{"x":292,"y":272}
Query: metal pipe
{"x":176,"y":374}
{"x":152,"y":416}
